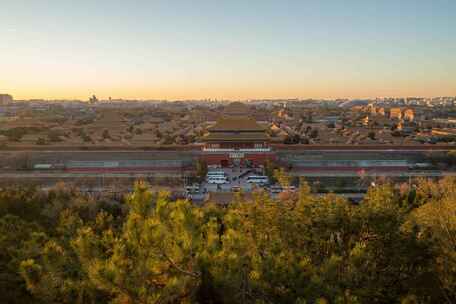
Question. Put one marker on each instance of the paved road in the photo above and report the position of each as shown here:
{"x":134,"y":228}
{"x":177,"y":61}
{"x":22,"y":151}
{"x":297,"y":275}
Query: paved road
{"x":242,"y":182}
{"x":229,"y":172}
{"x":375,"y":174}
{"x":373,"y":147}
{"x":41,"y":175}
{"x":233,"y":177}
{"x":99,"y":151}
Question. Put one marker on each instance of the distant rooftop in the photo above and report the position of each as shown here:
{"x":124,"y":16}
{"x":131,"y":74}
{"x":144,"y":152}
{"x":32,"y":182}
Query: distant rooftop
{"x":236,"y":136}
{"x":236,"y":125}
{"x":236,"y":109}
{"x":241,"y":124}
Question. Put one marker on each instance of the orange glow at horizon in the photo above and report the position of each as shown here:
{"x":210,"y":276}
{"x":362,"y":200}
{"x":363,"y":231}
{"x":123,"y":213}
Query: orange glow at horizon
{"x":330,"y":91}
{"x":233,"y":50}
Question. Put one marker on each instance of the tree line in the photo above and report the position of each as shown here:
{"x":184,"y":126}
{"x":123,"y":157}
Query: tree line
{"x":397,"y":246}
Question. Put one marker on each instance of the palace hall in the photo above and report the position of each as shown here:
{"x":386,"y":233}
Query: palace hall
{"x":236,"y":139}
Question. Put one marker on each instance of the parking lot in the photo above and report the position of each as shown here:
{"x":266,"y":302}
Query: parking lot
{"x":237,"y":177}
{"x":236,"y":180}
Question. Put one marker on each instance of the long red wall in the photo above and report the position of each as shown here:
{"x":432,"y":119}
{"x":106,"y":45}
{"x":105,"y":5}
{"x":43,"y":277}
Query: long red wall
{"x":255,"y":158}
{"x":279,"y":147}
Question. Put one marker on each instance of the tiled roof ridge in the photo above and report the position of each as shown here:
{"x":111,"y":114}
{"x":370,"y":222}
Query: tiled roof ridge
{"x":236,"y":124}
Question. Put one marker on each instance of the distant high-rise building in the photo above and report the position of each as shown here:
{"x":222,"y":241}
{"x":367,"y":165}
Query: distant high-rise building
{"x":93,"y":99}
{"x":409,"y":115}
{"x":5,"y":98}
{"x":395,"y":113}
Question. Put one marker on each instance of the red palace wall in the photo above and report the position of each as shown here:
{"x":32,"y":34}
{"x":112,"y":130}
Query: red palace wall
{"x":224,"y":159}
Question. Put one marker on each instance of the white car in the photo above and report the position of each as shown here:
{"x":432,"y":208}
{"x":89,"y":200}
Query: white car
{"x":217,"y":180}
{"x":215,"y":173}
{"x":276,"y":189}
{"x":193,"y":188}
{"x":290,"y":189}
{"x":257,"y":179}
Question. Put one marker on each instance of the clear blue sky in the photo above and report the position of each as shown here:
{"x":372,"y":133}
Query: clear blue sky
{"x":227,"y":49}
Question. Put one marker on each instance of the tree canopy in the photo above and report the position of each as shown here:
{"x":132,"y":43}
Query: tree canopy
{"x":397,"y":246}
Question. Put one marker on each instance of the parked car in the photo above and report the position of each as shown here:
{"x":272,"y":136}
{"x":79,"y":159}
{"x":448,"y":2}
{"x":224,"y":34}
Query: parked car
{"x":192,"y":188}
{"x":257,"y":179}
{"x":276,"y":189}
{"x":290,"y":188}
{"x":215,"y":173}
{"x":217,"y":180}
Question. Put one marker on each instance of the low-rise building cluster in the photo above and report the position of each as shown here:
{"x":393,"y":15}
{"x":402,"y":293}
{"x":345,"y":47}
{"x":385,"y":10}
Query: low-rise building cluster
{"x":154,"y":123}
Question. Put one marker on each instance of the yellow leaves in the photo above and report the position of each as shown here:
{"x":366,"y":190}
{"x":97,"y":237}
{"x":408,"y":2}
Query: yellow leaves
{"x":83,"y":243}
{"x":232,"y":256}
{"x":331,"y":266}
{"x":177,"y":215}
{"x":141,"y":200}
{"x":305,"y":263}
{"x":197,"y":213}
{"x":254,"y":275}
{"x":282,"y":177}
{"x":358,"y":250}
{"x":31,"y":272}
{"x":409,"y":299}
{"x":305,"y":195}
{"x":157,"y":249}
{"x":156,"y":268}
{"x":101,"y":273}
{"x":103,"y":220}
{"x":358,"y":254}
{"x":185,"y":241}
{"x":380,"y":197}
{"x":434,"y":223}
{"x":140,"y":186}
{"x":436,"y":217}
{"x":321,"y":301}
{"x":173,"y":282}
{"x":300,"y":301}
{"x":53,"y":251}
{"x":278,"y":251}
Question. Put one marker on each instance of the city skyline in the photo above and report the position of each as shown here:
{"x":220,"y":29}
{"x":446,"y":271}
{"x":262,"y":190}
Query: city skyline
{"x":227,"y":50}
{"x":226,"y":100}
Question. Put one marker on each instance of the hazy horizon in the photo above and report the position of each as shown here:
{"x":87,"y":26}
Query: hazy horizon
{"x":103,"y":98}
{"x":230,"y":50}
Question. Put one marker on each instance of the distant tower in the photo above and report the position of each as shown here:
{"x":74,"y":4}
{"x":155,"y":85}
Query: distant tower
{"x":93,"y":99}
{"x":5,"y":99}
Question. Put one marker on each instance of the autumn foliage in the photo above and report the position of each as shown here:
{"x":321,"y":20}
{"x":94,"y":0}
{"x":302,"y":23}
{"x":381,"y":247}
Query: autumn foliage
{"x":397,"y":246}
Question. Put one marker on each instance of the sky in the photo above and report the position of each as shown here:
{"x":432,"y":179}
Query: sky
{"x":227,"y":49}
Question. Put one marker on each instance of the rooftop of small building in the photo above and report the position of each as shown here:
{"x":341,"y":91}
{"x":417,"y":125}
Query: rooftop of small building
{"x":241,"y":124}
{"x":236,"y":108}
{"x":236,"y":136}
